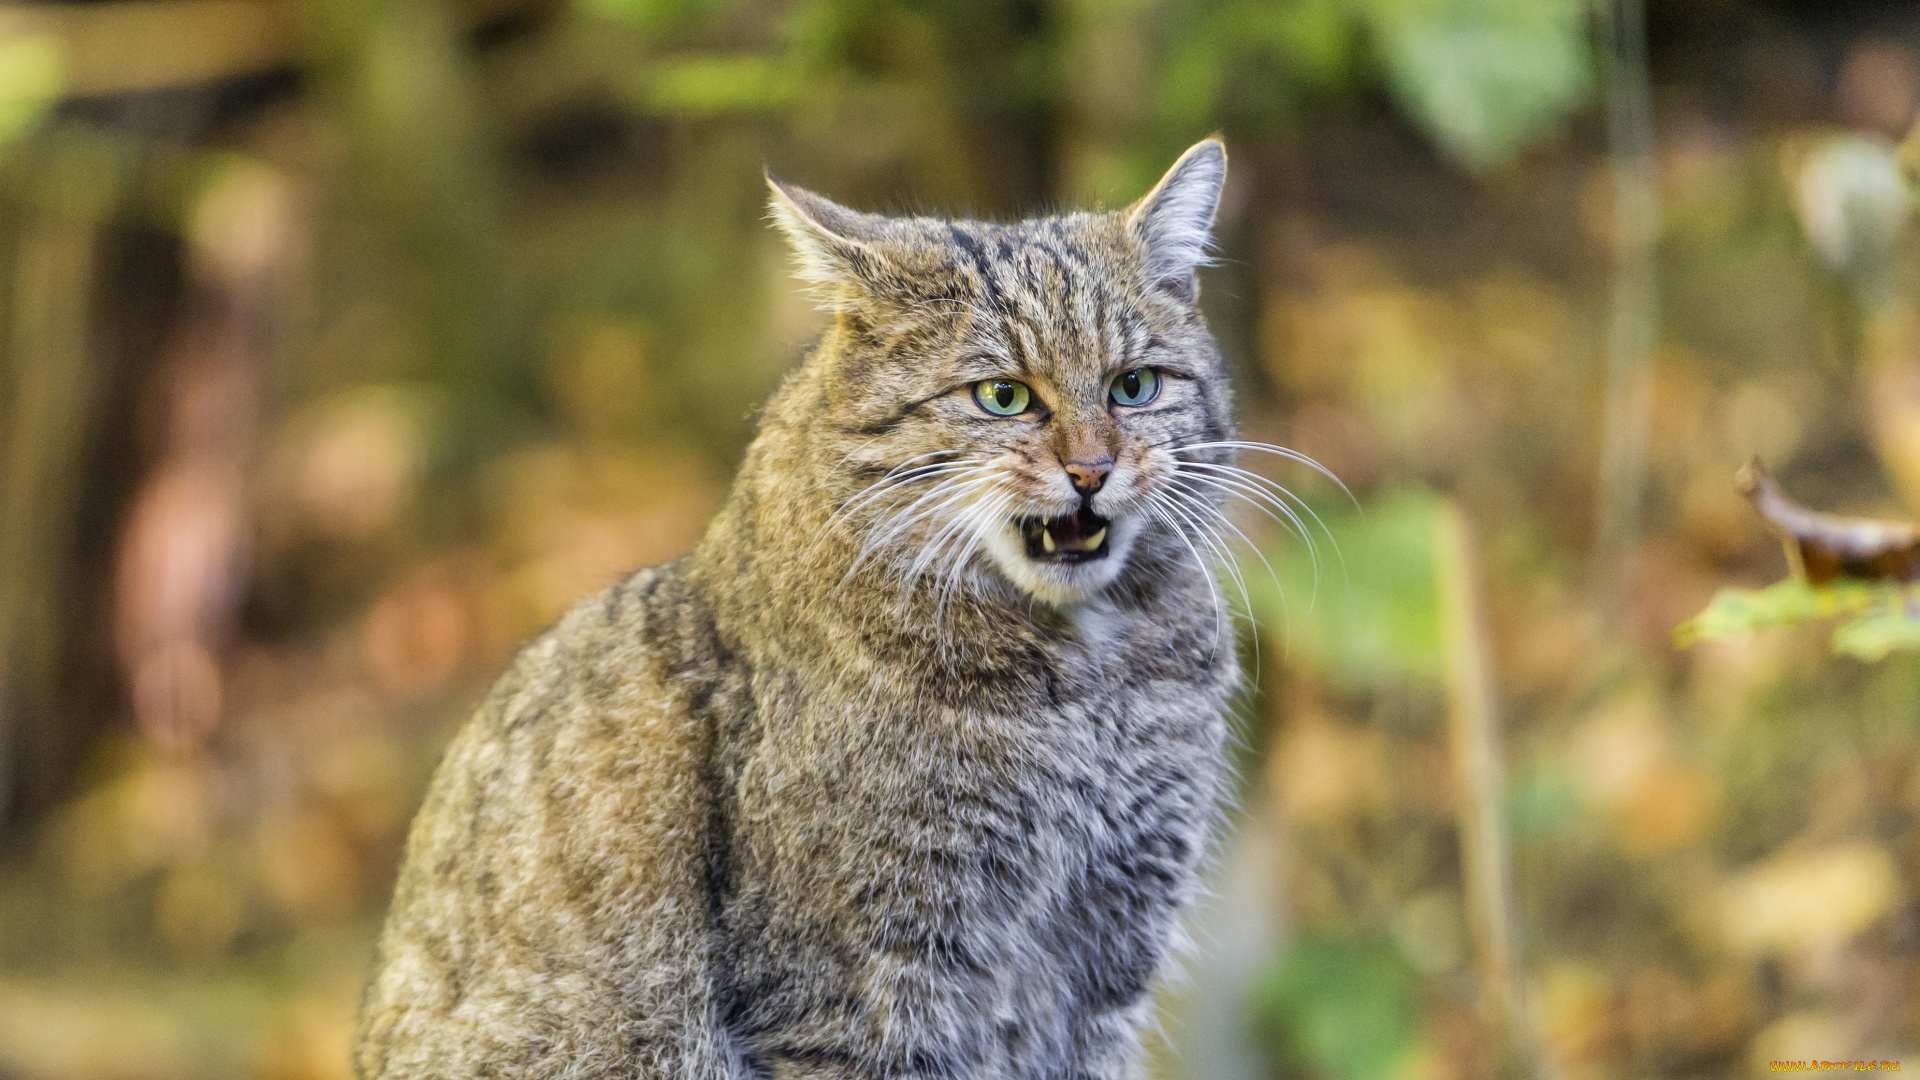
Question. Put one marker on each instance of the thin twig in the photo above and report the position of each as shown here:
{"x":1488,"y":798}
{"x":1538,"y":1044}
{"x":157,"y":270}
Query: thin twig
{"x":1473,"y":724}
{"x":1633,"y":324}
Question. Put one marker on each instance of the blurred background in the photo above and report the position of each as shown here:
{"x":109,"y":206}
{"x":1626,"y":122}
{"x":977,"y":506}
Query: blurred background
{"x":345,"y":343}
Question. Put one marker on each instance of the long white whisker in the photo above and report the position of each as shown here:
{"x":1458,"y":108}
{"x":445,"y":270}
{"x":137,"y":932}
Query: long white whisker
{"x":964,"y":530}
{"x":1215,"y":544}
{"x":896,"y":479}
{"x":1200,"y":505}
{"x":1268,"y":448}
{"x":925,"y":508}
{"x":964,"y":305}
{"x":1247,"y":495}
{"x":930,"y":551}
{"x":916,"y":512}
{"x":1272,"y":489}
{"x":1203,"y":506}
{"x":1153,"y":506}
{"x":986,"y":515}
{"x":1259,"y":498}
{"x":1257,"y":478}
{"x":904,"y":520}
{"x":900,"y":467}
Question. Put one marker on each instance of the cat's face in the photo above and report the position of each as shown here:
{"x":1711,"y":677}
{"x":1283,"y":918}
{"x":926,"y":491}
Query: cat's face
{"x":1022,"y":397}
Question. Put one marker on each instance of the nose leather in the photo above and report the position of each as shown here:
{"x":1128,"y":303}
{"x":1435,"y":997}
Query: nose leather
{"x":1088,"y":476}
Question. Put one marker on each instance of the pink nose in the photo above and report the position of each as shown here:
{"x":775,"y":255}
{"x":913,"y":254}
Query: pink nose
{"x":1087,"y":476}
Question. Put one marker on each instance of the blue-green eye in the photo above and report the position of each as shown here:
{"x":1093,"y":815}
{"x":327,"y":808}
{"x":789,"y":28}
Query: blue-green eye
{"x":1002,"y":397}
{"x":1136,"y":387}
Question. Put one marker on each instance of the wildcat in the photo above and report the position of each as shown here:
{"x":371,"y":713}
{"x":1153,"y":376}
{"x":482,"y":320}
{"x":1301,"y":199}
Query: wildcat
{"x":907,"y":769}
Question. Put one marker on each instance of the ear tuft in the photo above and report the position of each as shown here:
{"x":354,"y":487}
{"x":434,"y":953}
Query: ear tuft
{"x":830,"y":242}
{"x":1175,"y":219}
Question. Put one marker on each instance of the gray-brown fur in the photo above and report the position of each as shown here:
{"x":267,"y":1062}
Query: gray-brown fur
{"x":787,"y":808}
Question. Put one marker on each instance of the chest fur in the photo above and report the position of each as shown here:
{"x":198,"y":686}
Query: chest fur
{"x":991,"y":856}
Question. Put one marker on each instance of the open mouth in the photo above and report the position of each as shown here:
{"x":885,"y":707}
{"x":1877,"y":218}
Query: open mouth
{"x":1071,"y":538}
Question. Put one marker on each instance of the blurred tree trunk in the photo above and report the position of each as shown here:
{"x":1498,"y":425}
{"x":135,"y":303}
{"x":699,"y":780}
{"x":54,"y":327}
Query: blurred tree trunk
{"x":52,"y":382}
{"x":91,"y":285}
{"x":399,"y":77}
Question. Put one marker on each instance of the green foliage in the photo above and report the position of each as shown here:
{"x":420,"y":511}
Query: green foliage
{"x":1349,"y":1009}
{"x":653,"y":14}
{"x":704,"y":86}
{"x":1249,"y":59}
{"x":1482,"y":77}
{"x":1889,"y":628}
{"x":1881,"y":618}
{"x":1542,"y":803}
{"x":1380,"y":619}
{"x":30,"y":81}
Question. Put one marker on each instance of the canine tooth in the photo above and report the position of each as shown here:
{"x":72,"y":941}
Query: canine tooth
{"x":1093,"y":541}
{"x":1046,"y":540}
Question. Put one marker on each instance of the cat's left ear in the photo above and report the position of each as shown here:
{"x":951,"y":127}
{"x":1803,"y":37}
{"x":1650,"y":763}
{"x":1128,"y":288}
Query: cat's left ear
{"x":1175,"y":219}
{"x":833,"y":245}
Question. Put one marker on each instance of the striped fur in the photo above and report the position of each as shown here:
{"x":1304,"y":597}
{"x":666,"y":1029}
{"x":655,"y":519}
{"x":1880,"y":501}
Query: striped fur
{"x":858,"y":788}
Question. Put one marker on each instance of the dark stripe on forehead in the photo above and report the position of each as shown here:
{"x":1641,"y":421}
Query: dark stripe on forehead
{"x":1022,"y":362}
{"x":1029,"y":267}
{"x":967,"y":243}
{"x":976,"y":256}
{"x":1048,"y":251}
{"x":1100,"y":324}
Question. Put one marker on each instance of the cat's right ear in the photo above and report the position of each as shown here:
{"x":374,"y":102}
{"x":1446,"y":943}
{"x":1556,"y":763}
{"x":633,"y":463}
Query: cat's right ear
{"x":832,"y":244}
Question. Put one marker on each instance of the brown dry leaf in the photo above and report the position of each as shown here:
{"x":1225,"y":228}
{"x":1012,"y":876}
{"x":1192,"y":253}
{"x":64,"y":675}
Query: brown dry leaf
{"x":1809,"y":1035}
{"x":314,"y":1043}
{"x":1324,"y":771}
{"x":1823,"y":547}
{"x":198,"y":908}
{"x":417,"y":634}
{"x":1633,"y":766}
{"x":51,"y":1030}
{"x":149,"y":815}
{"x":1579,"y":1013}
{"x":1809,"y":900}
{"x":309,"y":865}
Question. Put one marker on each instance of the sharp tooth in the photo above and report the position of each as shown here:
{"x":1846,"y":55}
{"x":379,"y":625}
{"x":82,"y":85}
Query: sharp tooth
{"x":1093,"y":541}
{"x":1046,"y":540}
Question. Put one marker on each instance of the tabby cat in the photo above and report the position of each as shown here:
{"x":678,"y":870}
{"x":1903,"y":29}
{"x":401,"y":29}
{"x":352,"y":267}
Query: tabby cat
{"x":906,"y":771}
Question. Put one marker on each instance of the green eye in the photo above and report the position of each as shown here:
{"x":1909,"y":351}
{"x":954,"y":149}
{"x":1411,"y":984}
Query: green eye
{"x":1002,"y":397}
{"x":1136,"y":387}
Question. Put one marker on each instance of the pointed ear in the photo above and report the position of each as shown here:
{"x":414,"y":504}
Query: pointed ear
{"x":832,"y":244}
{"x":1175,"y":219}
